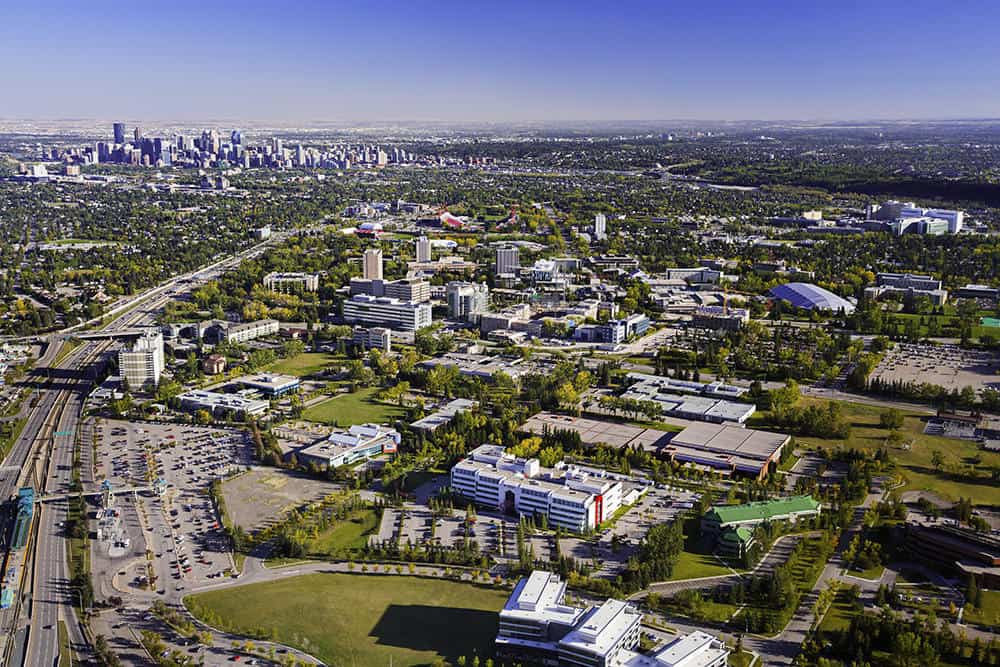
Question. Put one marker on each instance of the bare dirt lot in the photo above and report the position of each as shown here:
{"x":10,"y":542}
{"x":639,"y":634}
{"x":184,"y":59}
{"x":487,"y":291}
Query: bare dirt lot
{"x":262,"y":495}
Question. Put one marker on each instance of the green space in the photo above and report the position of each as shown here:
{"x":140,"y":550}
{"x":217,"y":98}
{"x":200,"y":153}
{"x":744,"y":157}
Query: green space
{"x":741,"y":659}
{"x":65,"y":651}
{"x":693,"y":565}
{"x":838,"y":616}
{"x":307,"y":363}
{"x":357,"y":408}
{"x":988,"y":615}
{"x":874,"y":572}
{"x":348,"y":619}
{"x":963,"y":473}
{"x":350,"y":534}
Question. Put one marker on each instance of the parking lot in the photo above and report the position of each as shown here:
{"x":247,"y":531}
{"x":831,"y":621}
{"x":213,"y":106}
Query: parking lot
{"x":948,"y":366}
{"x":496,"y":533}
{"x":180,"y":527}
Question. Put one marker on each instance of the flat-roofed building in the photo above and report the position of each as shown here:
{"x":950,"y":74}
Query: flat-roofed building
{"x":219,"y":404}
{"x":245,"y":331}
{"x":538,"y":627}
{"x":567,"y":497}
{"x":909,"y":285}
{"x":603,"y":636}
{"x":270,"y":384}
{"x":443,"y":415}
{"x":657,"y":389}
{"x":291,"y":282}
{"x":141,"y":361}
{"x":387,"y":312}
{"x":372,"y":338}
{"x":725,"y":447}
{"x":358,"y":443}
{"x":719,"y":318}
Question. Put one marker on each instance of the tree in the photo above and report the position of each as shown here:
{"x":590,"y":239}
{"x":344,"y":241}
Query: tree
{"x":891,"y":419}
{"x":937,"y":459}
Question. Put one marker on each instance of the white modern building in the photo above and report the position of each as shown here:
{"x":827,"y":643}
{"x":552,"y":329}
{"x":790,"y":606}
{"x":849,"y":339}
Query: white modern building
{"x":387,"y":312}
{"x":566,"y":496}
{"x":423,"y":250}
{"x":219,"y":404}
{"x":508,"y":260}
{"x":291,"y":282}
{"x":467,"y":300}
{"x":241,"y":333}
{"x":372,"y":338}
{"x":358,"y":443}
{"x":140,"y":362}
{"x":538,"y":627}
{"x":372,"y":264}
{"x":600,"y":227}
{"x":404,"y":289}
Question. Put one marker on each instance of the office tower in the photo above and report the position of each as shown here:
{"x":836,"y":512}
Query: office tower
{"x":137,"y":134}
{"x":236,"y":137}
{"x":373,"y":264}
{"x":507,"y":260}
{"x":600,"y":227}
{"x":423,"y":249}
{"x":466,"y":300}
{"x":300,"y":156}
{"x":119,"y":133}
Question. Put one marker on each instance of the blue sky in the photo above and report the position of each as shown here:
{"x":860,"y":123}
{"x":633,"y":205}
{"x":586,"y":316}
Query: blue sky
{"x":500,"y":60}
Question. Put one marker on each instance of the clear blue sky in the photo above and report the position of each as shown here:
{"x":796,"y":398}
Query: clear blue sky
{"x":500,"y":60}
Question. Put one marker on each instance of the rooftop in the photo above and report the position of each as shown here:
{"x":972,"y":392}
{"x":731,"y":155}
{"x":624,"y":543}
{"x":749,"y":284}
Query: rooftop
{"x":764,"y":509}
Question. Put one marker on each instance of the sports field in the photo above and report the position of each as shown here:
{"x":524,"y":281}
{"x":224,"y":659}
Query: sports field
{"x":353,"y":619}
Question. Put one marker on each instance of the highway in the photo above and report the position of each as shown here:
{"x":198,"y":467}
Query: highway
{"x":42,"y":456}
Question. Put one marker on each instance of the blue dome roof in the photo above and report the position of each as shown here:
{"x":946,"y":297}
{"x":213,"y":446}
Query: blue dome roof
{"x":811,"y":297}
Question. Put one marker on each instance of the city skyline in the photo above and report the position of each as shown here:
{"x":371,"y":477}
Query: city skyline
{"x":444,"y":62}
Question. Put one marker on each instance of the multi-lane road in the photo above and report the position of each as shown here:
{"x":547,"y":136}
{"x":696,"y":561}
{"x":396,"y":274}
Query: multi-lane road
{"x":42,"y":456}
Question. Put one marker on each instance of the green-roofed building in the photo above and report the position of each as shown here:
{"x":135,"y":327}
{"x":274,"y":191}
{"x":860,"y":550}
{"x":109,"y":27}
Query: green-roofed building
{"x":735,"y":542}
{"x":748,"y":515}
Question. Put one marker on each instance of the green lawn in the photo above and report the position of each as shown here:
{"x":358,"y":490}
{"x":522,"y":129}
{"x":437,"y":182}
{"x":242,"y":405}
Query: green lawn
{"x":346,"y":619}
{"x":871,"y":573}
{"x":348,"y":535}
{"x":356,"y":408}
{"x":741,"y":659}
{"x":838,"y":616}
{"x":304,"y":364}
{"x":691,"y":565}
{"x":959,"y":477}
{"x":989,"y":615}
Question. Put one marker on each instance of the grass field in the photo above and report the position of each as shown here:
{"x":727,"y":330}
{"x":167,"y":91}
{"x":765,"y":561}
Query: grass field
{"x":692,"y":565}
{"x":838,"y":616}
{"x":346,"y":619}
{"x":960,"y":476}
{"x":356,"y":408}
{"x":989,"y":615}
{"x":304,"y":364}
{"x":348,"y":535}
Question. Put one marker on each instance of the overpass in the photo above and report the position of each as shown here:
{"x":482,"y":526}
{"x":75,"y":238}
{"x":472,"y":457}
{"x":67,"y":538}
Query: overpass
{"x":65,"y":496}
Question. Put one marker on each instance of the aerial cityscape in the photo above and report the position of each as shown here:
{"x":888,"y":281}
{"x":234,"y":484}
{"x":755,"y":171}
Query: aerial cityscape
{"x":461,"y":335}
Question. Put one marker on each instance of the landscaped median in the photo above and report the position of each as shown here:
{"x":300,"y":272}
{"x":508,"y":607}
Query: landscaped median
{"x":362,"y":619}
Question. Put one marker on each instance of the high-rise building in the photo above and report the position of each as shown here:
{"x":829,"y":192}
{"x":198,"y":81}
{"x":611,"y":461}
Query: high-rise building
{"x":137,"y":134}
{"x":141,"y":362}
{"x":385,"y":312}
{"x":600,"y":227}
{"x":236,"y":138}
{"x":423,"y":249}
{"x":119,"y":133}
{"x":507,"y":260}
{"x":372,"y":264}
{"x":467,"y":300}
